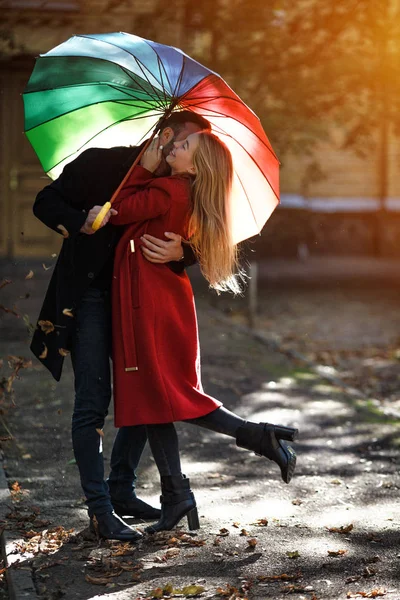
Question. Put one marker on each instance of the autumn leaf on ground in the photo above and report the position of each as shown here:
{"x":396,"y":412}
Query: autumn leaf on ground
{"x":252,"y":543}
{"x":297,"y":502}
{"x":336,"y":552}
{"x":67,"y":312}
{"x":342,"y":529}
{"x":172,"y":552}
{"x":123,"y":549}
{"x":229,"y":592}
{"x":244,"y":532}
{"x":16,"y":491}
{"x":190,"y":591}
{"x":217,"y":541}
{"x":99,"y":580}
{"x":46,"y":268}
{"x":294,"y":554}
{"x":260,"y":522}
{"x":282,"y":577}
{"x":223,"y":532}
{"x":63,"y":351}
{"x":372,"y":594}
{"x":295,"y":589}
{"x":10,"y":311}
{"x":5,"y":282}
{"x":44,"y":353}
{"x":30,"y":275}
{"x":63,"y":231}
{"x":46,"y":326}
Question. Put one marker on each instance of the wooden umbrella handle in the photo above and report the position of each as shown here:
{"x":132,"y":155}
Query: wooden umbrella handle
{"x":106,"y":207}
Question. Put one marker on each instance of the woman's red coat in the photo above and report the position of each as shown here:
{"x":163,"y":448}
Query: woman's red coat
{"x":156,"y":355}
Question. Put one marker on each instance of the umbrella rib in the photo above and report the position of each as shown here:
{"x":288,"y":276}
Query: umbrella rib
{"x":138,"y":62}
{"x":156,"y":94}
{"x":142,"y":67}
{"x":251,"y":157}
{"x":180,"y":77}
{"x":161,"y":77}
{"x":248,"y":199}
{"x":124,"y":69}
{"x":80,"y":108}
{"x":221,"y":114}
{"x":101,"y":131}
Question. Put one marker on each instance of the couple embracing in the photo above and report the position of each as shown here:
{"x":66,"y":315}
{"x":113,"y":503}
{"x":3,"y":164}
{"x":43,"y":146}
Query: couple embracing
{"x":130,"y":299}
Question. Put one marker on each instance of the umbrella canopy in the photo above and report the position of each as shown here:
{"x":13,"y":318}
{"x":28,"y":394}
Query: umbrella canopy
{"x":111,"y":90}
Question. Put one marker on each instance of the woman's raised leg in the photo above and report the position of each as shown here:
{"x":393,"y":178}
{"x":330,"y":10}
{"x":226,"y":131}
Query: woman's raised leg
{"x":265,"y":439}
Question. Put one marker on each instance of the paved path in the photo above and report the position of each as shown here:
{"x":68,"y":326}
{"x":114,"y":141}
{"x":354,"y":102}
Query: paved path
{"x":347,"y":478}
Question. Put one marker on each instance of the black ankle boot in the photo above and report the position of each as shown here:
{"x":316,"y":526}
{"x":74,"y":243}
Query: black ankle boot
{"x":177,"y":501}
{"x":110,"y":527}
{"x":136,"y":509}
{"x":265,"y":440}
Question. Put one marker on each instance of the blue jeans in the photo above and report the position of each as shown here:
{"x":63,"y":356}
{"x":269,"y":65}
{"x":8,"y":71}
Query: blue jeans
{"x":90,"y":355}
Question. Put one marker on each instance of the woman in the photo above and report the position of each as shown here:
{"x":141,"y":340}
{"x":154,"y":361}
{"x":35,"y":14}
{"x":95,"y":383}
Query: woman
{"x":155,"y":341}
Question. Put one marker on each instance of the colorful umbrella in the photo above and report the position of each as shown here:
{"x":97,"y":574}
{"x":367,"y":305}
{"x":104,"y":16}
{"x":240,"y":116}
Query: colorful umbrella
{"x":111,"y":90}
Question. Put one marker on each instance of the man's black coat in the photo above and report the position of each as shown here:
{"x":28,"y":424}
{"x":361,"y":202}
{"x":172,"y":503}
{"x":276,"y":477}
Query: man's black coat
{"x":89,"y":180}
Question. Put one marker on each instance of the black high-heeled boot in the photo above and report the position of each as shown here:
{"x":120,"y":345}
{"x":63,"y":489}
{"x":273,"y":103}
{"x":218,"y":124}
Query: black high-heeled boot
{"x":265,"y":439}
{"x":110,"y":526}
{"x":177,"y":501}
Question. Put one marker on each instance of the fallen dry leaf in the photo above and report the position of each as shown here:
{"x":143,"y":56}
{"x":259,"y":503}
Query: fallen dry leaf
{"x":293,"y":554}
{"x":44,"y":353}
{"x":217,"y":541}
{"x":46,"y":268}
{"x":295,"y":589}
{"x":98,"y":580}
{"x":10,"y":311}
{"x":297,"y":502}
{"x":369,"y":572}
{"x":372,"y":594}
{"x":282,"y":577}
{"x":244,"y":532}
{"x":260,"y":522}
{"x":342,"y":529}
{"x":30,"y":275}
{"x":336,"y":552}
{"x":68,"y":312}
{"x":192,"y":590}
{"x":223,"y":532}
{"x":63,"y":351}
{"x":172,"y":552}
{"x":46,"y":326}
{"x":252,"y":543}
{"x":5,"y":282}
{"x":123,"y":549}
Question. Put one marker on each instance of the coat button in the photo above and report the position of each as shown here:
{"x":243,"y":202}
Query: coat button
{"x":90,"y":275}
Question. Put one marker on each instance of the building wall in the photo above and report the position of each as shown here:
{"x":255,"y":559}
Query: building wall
{"x":336,"y":211}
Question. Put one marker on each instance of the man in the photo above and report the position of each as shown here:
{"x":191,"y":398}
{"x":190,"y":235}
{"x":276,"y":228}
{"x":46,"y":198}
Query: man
{"x":76,"y":318}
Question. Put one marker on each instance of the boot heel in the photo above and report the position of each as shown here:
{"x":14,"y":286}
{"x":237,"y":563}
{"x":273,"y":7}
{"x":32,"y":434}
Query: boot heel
{"x":285,"y":433}
{"x":193,"y":519}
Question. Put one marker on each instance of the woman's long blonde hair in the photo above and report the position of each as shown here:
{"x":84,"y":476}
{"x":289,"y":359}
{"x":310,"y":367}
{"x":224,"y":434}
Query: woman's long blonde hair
{"x":210,"y":222}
